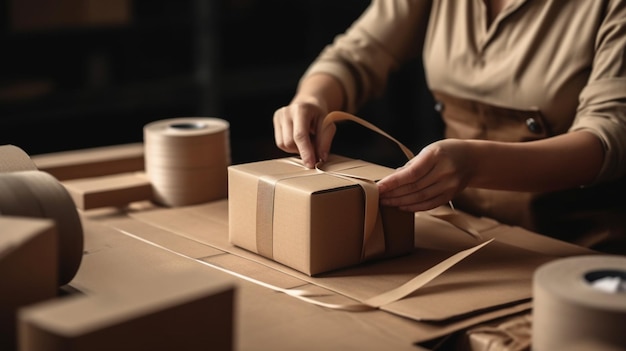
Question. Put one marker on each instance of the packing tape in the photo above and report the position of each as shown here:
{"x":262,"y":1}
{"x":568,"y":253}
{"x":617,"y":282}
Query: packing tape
{"x":187,"y":159}
{"x":27,"y":192}
{"x":578,"y":301}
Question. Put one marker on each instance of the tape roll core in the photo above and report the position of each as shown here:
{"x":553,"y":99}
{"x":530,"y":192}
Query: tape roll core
{"x":188,"y":125}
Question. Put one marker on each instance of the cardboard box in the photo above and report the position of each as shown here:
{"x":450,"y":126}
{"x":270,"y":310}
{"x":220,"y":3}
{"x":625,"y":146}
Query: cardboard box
{"x":28,"y":269}
{"x":314,"y":220}
{"x":132,"y":295}
{"x":182,"y":311}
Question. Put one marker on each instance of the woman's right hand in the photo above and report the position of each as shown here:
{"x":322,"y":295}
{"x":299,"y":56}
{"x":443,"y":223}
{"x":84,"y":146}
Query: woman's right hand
{"x":298,"y":129}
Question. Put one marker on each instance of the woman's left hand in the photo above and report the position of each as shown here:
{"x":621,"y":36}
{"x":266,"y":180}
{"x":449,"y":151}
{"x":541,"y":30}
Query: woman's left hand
{"x":430,"y":179}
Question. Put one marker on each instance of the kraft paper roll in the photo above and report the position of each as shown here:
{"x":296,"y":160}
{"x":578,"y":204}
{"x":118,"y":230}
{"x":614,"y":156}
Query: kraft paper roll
{"x":27,"y":192}
{"x":187,"y":159}
{"x":570,"y":309}
{"x":13,"y":158}
{"x":38,"y":194}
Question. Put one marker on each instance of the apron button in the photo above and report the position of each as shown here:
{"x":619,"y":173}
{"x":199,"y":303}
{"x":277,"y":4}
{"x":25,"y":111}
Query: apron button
{"x":532,"y":125}
{"x":438,"y":106}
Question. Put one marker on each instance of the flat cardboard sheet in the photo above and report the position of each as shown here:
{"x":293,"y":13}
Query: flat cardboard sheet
{"x":28,"y":269}
{"x":493,"y":282}
{"x":126,"y":286}
{"x":264,"y":319}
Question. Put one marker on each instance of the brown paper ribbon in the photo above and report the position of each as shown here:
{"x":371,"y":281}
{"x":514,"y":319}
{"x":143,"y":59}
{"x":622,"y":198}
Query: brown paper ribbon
{"x":452,"y":218}
{"x":372,"y":303}
{"x":265,"y":209}
{"x":372,"y":226}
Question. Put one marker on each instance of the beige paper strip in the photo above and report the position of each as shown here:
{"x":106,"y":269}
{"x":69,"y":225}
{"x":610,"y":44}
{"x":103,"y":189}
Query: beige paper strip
{"x":368,"y":305}
{"x":423,"y":278}
{"x":265,"y":211}
{"x":337,"y":116}
{"x":373,"y":233}
{"x":265,"y":218}
{"x":455,"y":220}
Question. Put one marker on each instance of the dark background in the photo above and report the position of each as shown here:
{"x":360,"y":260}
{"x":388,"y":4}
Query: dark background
{"x":86,"y":73}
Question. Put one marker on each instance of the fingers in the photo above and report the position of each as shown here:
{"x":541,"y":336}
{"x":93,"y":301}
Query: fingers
{"x":324,"y":139}
{"x":422,"y":199}
{"x":423,"y":183}
{"x":302,"y":138}
{"x":283,"y":129}
{"x":412,"y":171}
{"x":294,"y":127}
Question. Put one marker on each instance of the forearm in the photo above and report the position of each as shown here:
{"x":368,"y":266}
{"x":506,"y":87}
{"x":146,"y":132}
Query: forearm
{"x":322,"y":90}
{"x":565,"y":161}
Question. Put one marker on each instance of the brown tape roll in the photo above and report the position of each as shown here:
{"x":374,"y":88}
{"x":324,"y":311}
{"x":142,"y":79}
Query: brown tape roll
{"x":12,"y":159}
{"x":39,"y":194}
{"x":580,"y":301}
{"x":27,"y":192}
{"x":187,"y":159}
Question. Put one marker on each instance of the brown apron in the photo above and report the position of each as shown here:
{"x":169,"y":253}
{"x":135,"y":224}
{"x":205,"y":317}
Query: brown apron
{"x":593,"y":217}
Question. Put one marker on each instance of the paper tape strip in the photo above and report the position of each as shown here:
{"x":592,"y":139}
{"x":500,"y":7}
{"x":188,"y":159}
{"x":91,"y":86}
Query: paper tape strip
{"x":367,"y":305}
{"x":337,"y":116}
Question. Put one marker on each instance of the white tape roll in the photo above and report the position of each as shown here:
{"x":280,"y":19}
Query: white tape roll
{"x":580,"y":301}
{"x":187,"y":159}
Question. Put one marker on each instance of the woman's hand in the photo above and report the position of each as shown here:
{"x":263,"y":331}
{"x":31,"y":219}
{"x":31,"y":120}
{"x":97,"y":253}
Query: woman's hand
{"x":297,"y":130}
{"x":431,"y":179}
{"x":298,"y":126}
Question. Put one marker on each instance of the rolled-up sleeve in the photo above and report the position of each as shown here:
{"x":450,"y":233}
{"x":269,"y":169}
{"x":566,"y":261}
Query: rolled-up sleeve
{"x":602,"y":108}
{"x":603,"y":113}
{"x":387,"y":34}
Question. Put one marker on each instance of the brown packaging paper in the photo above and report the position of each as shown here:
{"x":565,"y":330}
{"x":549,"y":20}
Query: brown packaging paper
{"x":315,"y":220}
{"x":28,"y":269}
{"x":131,"y":295}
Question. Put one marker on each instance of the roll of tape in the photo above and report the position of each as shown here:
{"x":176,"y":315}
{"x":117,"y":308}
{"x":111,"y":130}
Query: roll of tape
{"x":35,"y":193}
{"x":580,"y":301}
{"x":187,"y":159}
{"x":13,"y":158}
{"x":27,"y":192}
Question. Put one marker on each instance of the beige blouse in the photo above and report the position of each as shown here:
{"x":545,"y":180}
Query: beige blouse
{"x":564,"y":58}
